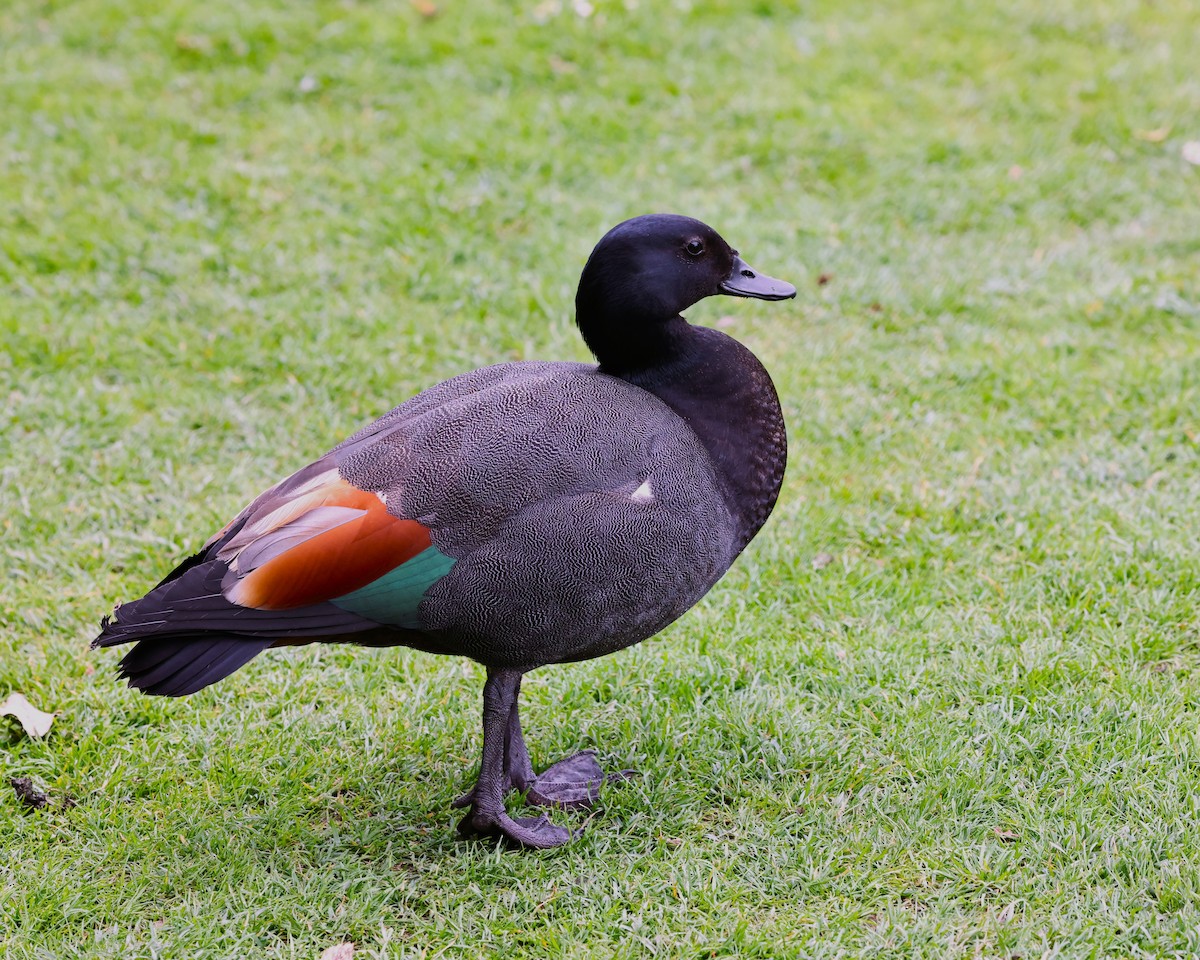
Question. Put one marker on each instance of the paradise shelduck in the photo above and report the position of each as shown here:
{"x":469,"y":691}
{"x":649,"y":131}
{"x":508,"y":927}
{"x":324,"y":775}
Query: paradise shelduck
{"x":521,"y":514}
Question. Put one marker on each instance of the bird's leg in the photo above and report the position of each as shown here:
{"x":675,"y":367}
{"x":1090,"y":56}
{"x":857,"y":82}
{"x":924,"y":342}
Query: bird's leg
{"x":572,"y":782}
{"x":517,"y":765}
{"x":487,"y":815}
{"x":518,"y":770}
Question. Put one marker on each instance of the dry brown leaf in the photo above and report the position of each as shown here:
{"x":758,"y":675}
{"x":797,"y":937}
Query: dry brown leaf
{"x":343,"y":951}
{"x":1158,"y":135}
{"x":194,"y":43}
{"x":35,"y":722}
{"x":32,"y":795}
{"x":29,"y":793}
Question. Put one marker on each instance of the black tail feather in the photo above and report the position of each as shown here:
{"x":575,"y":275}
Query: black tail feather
{"x":192,"y":603}
{"x":157,"y":661}
{"x":221,"y":665}
{"x":189,"y":635}
{"x":176,"y":666}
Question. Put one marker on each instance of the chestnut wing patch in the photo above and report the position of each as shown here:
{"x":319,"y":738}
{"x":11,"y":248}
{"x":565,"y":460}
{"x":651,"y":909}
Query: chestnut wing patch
{"x":326,"y":540}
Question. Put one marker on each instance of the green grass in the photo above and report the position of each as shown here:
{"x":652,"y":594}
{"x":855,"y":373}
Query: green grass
{"x":230,"y":234}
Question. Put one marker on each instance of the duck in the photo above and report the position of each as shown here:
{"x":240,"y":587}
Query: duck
{"x":521,"y":515}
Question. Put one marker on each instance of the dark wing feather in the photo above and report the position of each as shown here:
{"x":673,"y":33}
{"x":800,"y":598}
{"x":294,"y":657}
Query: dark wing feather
{"x":174,"y":666}
{"x":193,"y":603}
{"x":267,"y":577}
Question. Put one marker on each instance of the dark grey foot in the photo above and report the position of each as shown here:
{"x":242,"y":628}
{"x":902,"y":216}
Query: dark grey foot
{"x":505,"y":766}
{"x":536,"y":832}
{"x":510,"y":783}
{"x":463,"y":800}
{"x":572,"y":782}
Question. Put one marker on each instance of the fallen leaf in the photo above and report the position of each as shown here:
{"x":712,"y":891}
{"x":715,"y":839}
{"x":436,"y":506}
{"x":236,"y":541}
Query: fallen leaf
{"x":1191,"y":152}
{"x":1007,"y":913}
{"x":1153,"y":136}
{"x":343,"y":951}
{"x":822,"y":560}
{"x":36,"y":722}
{"x":29,"y":793}
{"x":425,"y":8}
{"x":194,"y":43}
{"x":1008,"y":836}
{"x":823,"y":279}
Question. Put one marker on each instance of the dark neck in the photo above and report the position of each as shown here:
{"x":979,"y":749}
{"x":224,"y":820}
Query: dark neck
{"x":631,"y":342}
{"x":722,"y":391}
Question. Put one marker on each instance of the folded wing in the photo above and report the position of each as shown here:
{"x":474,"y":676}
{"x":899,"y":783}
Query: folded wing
{"x":313,"y":557}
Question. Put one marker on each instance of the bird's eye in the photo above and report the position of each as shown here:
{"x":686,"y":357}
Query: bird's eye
{"x":695,"y":247}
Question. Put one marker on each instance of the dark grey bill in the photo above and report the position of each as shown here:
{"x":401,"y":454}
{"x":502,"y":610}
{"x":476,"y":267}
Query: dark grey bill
{"x":745,"y":281}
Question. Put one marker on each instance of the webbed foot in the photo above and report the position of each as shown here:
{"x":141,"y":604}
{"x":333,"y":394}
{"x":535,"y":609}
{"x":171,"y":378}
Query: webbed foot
{"x":536,"y":832}
{"x":572,"y":782}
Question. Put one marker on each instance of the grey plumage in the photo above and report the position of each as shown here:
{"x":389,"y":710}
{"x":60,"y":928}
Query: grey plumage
{"x":522,"y":514}
{"x":544,"y":509}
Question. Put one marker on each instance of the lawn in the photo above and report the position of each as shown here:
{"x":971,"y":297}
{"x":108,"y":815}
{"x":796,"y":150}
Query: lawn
{"x":947,"y":703}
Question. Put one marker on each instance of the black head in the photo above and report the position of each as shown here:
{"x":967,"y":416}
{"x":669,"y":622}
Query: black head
{"x":644,"y":273}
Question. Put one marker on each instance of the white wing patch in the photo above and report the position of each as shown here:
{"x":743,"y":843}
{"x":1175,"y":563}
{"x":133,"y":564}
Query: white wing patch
{"x":267,"y":547}
{"x":330,"y":476}
{"x":299,"y":503}
{"x":644,"y":493}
